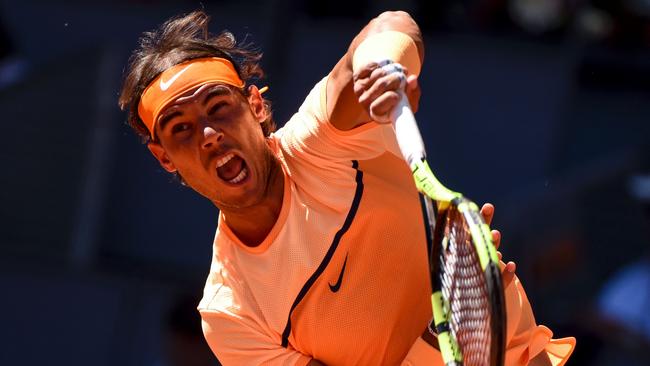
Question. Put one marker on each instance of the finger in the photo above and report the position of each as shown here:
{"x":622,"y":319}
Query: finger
{"x":373,"y":71}
{"x":381,"y":107}
{"x":384,"y":84}
{"x":385,"y":69}
{"x":362,"y":85}
{"x":511,"y":267}
{"x":391,"y":66}
{"x":381,"y":70}
{"x":365,"y":71}
{"x":364,"y":78}
{"x":379,"y":73}
{"x":413,"y":92}
{"x":496,"y":238}
{"x":412,"y":84}
{"x":488,"y":213}
{"x":506,"y":274}
{"x":499,"y":255}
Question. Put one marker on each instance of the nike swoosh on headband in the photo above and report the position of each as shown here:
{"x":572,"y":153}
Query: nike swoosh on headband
{"x":164,"y":85}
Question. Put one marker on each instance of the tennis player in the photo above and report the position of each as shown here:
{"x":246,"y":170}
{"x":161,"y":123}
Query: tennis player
{"x":319,"y":255}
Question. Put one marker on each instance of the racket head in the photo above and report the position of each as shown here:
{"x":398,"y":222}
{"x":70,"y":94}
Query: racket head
{"x":468,"y":301}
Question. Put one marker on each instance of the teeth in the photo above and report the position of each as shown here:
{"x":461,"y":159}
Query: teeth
{"x":224,"y":160}
{"x":239,"y":177}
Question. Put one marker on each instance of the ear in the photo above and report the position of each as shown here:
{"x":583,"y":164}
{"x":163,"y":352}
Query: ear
{"x":256,"y":103}
{"x":159,"y":152}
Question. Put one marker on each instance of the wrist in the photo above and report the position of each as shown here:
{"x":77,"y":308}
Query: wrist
{"x":388,"y":45}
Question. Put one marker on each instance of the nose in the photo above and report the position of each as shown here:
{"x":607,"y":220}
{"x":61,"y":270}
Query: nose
{"x":211,"y":136}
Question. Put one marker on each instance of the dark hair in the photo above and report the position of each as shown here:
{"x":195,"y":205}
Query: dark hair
{"x":178,"y":40}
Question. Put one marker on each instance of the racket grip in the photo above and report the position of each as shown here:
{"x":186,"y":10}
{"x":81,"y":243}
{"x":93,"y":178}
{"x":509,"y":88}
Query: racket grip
{"x":407,"y":132}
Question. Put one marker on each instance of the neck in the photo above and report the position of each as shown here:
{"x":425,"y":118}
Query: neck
{"x":253,"y":224}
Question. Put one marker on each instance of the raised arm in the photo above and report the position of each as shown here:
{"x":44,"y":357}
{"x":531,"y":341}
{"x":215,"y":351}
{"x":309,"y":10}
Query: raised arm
{"x":343,"y":106}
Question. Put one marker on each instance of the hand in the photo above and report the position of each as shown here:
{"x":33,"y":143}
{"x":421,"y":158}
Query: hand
{"x":488,"y":213}
{"x":377,"y":89}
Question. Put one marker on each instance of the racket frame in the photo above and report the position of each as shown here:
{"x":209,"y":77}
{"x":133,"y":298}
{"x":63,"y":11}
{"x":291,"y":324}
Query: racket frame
{"x":412,"y":148}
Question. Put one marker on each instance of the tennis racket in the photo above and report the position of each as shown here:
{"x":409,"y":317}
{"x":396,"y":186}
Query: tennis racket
{"x":468,"y":304}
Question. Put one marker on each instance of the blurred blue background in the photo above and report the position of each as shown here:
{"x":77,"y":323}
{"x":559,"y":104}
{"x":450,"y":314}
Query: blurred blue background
{"x":541,"y":107}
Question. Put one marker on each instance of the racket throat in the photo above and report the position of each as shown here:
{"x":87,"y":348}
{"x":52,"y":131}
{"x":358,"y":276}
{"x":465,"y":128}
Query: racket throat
{"x":427,"y":183}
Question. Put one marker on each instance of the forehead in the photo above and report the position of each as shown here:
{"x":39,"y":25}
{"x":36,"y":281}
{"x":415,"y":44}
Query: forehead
{"x":198,"y":94}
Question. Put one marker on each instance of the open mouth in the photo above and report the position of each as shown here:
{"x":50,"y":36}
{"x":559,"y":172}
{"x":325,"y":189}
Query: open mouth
{"x":232,"y":168}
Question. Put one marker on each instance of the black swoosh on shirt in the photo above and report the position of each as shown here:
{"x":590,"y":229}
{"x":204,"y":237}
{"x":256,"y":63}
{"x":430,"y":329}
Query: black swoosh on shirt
{"x":335,"y":287}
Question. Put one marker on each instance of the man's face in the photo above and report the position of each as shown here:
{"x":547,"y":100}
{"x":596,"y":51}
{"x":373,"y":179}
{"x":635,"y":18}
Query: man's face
{"x":212,"y":137}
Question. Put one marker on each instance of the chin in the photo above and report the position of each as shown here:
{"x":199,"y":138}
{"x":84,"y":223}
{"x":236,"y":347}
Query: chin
{"x":245,"y":199}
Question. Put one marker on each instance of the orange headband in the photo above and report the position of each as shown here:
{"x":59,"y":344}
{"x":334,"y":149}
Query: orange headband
{"x":179,"y":79}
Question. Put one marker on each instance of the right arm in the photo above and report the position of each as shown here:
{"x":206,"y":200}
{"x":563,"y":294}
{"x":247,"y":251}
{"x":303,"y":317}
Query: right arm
{"x":331,"y":126}
{"x":347,"y":109}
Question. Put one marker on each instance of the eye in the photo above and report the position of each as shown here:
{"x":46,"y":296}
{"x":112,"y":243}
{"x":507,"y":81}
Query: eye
{"x":219,"y":106}
{"x":180,"y":127}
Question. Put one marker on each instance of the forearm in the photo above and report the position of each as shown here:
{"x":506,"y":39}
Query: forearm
{"x":343,"y":108}
{"x":388,"y":21}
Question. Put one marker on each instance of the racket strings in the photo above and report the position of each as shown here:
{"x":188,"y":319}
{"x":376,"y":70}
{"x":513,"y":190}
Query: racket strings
{"x":464,"y":287}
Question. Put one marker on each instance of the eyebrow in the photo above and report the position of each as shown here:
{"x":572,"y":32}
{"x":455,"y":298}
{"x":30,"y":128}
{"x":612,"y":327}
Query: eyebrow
{"x":165,"y":119}
{"x":218,"y":90}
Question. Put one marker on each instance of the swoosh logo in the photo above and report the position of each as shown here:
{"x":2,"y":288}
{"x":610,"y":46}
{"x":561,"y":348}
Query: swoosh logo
{"x":164,"y":85}
{"x":335,"y":287}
